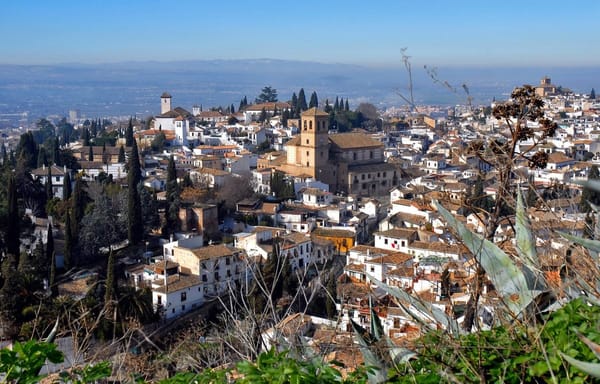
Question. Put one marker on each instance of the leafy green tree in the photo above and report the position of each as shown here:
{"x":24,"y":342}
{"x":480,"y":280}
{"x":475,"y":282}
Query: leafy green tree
{"x":27,"y":151}
{"x":314,"y":100}
{"x":158,"y":143}
{"x":135,"y":228}
{"x":267,"y":95}
{"x":149,"y":208}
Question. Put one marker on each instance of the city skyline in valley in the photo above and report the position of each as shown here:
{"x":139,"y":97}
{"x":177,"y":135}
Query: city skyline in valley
{"x":438,"y":33}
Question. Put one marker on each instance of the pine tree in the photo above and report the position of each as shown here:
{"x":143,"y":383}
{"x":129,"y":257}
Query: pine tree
{"x":129,"y":133}
{"x":121,"y":158}
{"x":302,"y":106}
{"x":14,"y":229}
{"x":67,"y":186}
{"x":135,"y":227}
{"x":314,"y":100}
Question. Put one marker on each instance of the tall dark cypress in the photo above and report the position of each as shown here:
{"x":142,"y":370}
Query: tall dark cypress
{"x":90,"y":153}
{"x":111,"y":282}
{"x":314,"y":100}
{"x":56,"y":152}
{"x":172,"y":214}
{"x":68,"y":258}
{"x":135,"y":226}
{"x":347,"y":106}
{"x":129,"y":134}
{"x":49,"y":191}
{"x":302,"y":106}
{"x":67,"y":186}
{"x":121,"y":155}
{"x":49,"y":246}
{"x":14,"y":229}
{"x":336,"y":105}
{"x":77,"y":207}
{"x":52,"y":278}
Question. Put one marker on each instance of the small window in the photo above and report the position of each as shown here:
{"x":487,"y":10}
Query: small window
{"x":371,"y":154}
{"x":159,"y":299}
{"x":227,"y":261}
{"x":183,"y":296}
{"x":354,"y":156}
{"x":306,"y":141}
{"x":362,"y":177}
{"x":183,"y":308}
{"x":372,"y":269}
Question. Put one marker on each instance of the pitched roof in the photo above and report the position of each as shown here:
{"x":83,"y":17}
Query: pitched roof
{"x":398,"y":233}
{"x":43,"y":171}
{"x":314,"y":111}
{"x":213,"y":251}
{"x":354,"y":140}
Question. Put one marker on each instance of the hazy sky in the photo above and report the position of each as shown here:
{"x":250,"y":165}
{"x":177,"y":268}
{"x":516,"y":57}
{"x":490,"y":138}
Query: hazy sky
{"x":445,"y":32}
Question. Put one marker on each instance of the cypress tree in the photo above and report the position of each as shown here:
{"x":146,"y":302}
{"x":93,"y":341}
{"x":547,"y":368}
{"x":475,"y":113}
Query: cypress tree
{"x":121,"y":158}
{"x":331,"y":297}
{"x":347,"y":106}
{"x":314,"y":100}
{"x":111,"y":281}
{"x":135,"y":227}
{"x":336,"y":105}
{"x":172,"y":214}
{"x":129,"y":134}
{"x":42,"y":159}
{"x":68,"y":258}
{"x":231,"y":109}
{"x":90,"y":153}
{"x":67,"y":186}
{"x":593,"y":94}
{"x":52,"y":278}
{"x":77,"y":208}
{"x":588,"y":195}
{"x":85,"y":137}
{"x":49,"y":247}
{"x":14,"y":229}
{"x":49,"y":191}
{"x":56,"y":152}
{"x":302,"y":106}
{"x":104,"y":154}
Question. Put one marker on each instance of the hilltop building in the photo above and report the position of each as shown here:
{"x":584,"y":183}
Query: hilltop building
{"x":176,"y":120}
{"x":352,"y":163}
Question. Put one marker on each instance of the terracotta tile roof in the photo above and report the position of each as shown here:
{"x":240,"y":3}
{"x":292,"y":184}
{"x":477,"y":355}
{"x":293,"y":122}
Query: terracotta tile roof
{"x":314,"y":112}
{"x":354,"y":140}
{"x":213,"y":251}
{"x":43,"y":171}
{"x":176,"y":283}
{"x":395,"y":258}
{"x":398,"y":233}
{"x":329,"y":232}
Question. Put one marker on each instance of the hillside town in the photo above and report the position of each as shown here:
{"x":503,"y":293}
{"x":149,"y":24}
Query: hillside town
{"x":337,"y":208}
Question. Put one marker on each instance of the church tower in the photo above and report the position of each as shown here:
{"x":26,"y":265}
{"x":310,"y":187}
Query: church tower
{"x":165,"y":103}
{"x":314,"y":144}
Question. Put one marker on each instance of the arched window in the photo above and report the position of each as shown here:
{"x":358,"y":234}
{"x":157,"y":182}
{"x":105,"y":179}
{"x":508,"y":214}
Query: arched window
{"x":310,"y":125}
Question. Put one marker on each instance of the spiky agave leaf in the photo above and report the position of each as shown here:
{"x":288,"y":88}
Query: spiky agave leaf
{"x":592,"y":369}
{"x":378,"y":371}
{"x":516,"y":290}
{"x":425,"y":309}
{"x":376,"y":327}
{"x":525,"y":240}
{"x":592,"y":245}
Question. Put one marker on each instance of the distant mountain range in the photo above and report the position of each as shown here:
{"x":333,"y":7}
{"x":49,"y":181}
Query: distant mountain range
{"x":134,"y":88}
